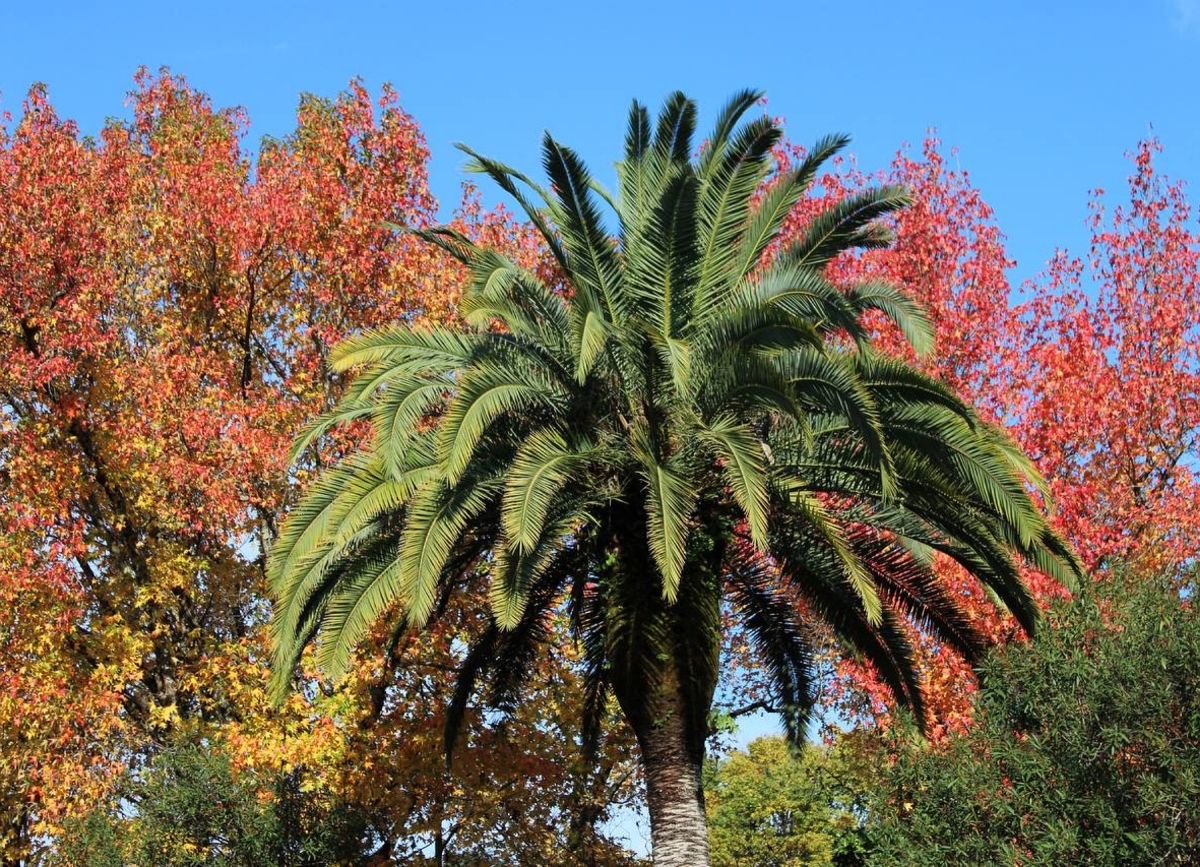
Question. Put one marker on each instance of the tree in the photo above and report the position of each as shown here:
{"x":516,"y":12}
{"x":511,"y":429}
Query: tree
{"x":1111,"y":346}
{"x":776,"y":805}
{"x":1094,"y":367}
{"x":163,"y":315}
{"x":167,"y":300}
{"x":193,"y":811}
{"x":1086,"y":748}
{"x":663,"y":426}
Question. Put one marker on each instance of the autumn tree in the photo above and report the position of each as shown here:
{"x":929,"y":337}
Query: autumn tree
{"x":1112,"y":403}
{"x":165,"y":315}
{"x":1092,"y":367}
{"x":167,"y":303}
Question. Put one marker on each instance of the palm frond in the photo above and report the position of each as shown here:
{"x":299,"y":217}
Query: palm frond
{"x":507,"y":179}
{"x":397,"y":414}
{"x":825,"y":535}
{"x":675,"y":128}
{"x":899,"y":307}
{"x":740,"y":450}
{"x":484,"y":395}
{"x":352,"y":608}
{"x":779,"y":200}
{"x":727,"y":120}
{"x":758,"y":329}
{"x":728,"y":194}
{"x":406,"y":350}
{"x":296,"y":621}
{"x":437,"y":516}
{"x":896,"y":384}
{"x":445,"y":238}
{"x":592,"y":263}
{"x":661,"y":254}
{"x":670,"y":501}
{"x":307,"y":527}
{"x":591,"y":331}
{"x":631,"y":171}
{"x":543,"y":466}
{"x":780,"y":640}
{"x":802,"y":292}
{"x":845,"y":226}
{"x":344,"y":413}
{"x":516,"y":297}
{"x":516,"y":573}
{"x":830,"y":383}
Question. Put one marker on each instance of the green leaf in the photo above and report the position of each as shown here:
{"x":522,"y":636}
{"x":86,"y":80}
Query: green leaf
{"x":544,"y":464}
{"x":670,"y":505}
{"x":742,"y":453}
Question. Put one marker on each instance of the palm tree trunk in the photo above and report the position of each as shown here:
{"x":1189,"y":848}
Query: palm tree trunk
{"x":674,"y":794}
{"x":663,"y":675}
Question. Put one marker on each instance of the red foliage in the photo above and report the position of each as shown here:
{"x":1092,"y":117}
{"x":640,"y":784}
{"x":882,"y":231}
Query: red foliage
{"x":165,"y":308}
{"x":1095,"y":372}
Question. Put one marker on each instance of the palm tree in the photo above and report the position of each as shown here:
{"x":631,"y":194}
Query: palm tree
{"x":672,"y":430}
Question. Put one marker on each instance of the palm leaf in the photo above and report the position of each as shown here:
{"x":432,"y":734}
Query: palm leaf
{"x":725,"y":204}
{"x":901,"y":309}
{"x":779,"y":200}
{"x":845,"y":226}
{"x":737,"y":446}
{"x":484,"y":395}
{"x":780,"y":641}
{"x":592,"y":262}
{"x":543,"y":466}
{"x":507,"y":179}
{"x":731,"y":114}
{"x":670,"y":501}
{"x":437,"y":516}
{"x":405,"y":349}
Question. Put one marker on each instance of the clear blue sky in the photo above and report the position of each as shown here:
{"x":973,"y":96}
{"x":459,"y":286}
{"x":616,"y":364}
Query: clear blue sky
{"x":1042,"y":99}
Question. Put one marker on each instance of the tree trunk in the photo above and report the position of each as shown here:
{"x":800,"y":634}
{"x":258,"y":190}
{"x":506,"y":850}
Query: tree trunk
{"x":674,"y":794}
{"x":663,"y":665}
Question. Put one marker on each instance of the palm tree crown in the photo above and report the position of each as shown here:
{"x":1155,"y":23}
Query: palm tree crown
{"x":674,"y":428}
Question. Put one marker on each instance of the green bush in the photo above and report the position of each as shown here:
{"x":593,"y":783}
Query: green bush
{"x":1086,"y":749}
{"x":188,"y":809}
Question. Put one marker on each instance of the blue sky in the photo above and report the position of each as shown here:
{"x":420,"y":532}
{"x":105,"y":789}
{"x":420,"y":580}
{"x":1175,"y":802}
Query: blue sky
{"x":1042,"y":99}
